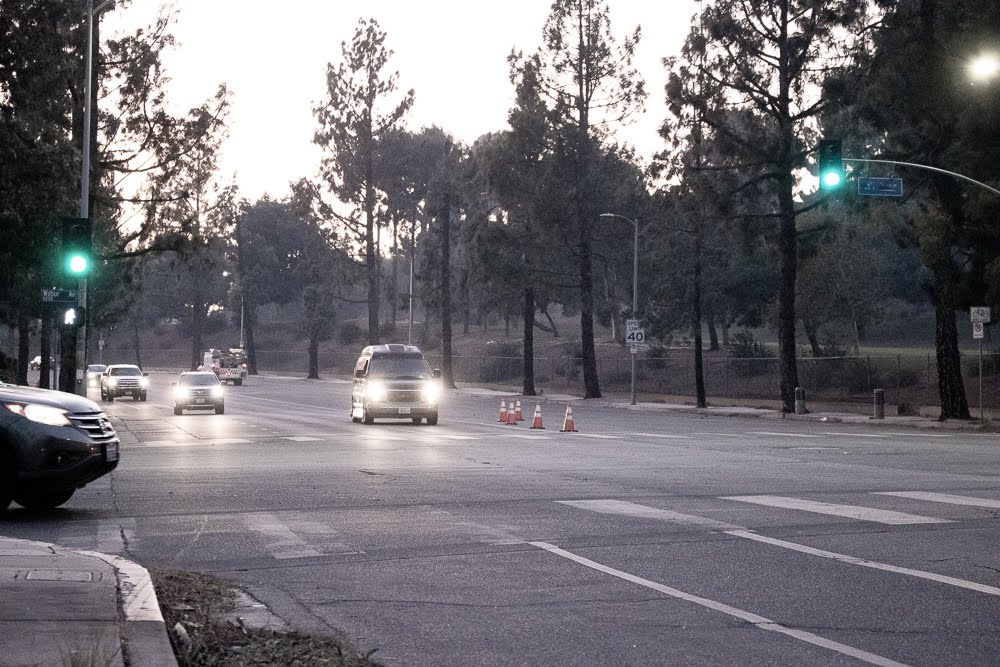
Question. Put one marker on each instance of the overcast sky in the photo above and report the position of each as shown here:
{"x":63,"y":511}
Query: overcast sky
{"x":273,"y":58}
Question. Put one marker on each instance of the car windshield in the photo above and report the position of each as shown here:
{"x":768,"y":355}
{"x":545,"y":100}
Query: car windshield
{"x":126,"y":370}
{"x":96,"y":368}
{"x":399,"y":367}
{"x":199,"y":380}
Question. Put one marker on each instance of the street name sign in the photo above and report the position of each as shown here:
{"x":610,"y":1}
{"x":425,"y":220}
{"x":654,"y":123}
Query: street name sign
{"x":59,"y":296}
{"x":880,"y":187}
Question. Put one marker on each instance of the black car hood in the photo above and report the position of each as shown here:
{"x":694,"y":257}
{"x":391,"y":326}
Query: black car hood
{"x":57,"y":399}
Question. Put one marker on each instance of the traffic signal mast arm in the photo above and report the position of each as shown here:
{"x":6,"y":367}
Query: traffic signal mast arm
{"x":924,"y":166}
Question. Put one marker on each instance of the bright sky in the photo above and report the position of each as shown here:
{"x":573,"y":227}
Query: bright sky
{"x":273,"y":57}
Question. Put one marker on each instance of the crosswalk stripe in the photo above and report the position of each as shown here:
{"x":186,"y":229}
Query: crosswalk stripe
{"x":301,"y":438}
{"x":943,"y":498}
{"x":285,"y":543}
{"x":759,"y":622}
{"x":848,"y":511}
{"x":631,"y":509}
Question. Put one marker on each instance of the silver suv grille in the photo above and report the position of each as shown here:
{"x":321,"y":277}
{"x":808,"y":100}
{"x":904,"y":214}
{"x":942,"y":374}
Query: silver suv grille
{"x":94,"y":424}
{"x":127,"y":382}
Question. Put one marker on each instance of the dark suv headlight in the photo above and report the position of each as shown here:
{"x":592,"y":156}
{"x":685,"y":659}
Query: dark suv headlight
{"x":43,"y":414}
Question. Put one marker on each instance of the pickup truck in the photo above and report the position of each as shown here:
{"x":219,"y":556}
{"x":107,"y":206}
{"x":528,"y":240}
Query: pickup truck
{"x":229,"y":367}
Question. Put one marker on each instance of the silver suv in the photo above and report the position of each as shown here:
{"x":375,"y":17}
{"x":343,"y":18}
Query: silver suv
{"x":395,"y":381}
{"x":124,"y":380}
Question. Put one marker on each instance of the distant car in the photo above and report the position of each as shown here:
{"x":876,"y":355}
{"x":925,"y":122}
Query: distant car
{"x":198,"y":390}
{"x":124,"y":380}
{"x":36,"y":363}
{"x":51,"y":444}
{"x":94,"y":374}
{"x":395,"y":381}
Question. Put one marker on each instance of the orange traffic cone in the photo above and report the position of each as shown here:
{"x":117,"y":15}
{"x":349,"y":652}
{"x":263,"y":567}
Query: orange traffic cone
{"x":517,"y":412}
{"x":512,"y":415}
{"x":568,"y":426}
{"x":503,"y":412}
{"x":537,"y":421}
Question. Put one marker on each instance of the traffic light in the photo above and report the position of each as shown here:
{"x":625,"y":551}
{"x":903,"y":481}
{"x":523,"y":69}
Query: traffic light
{"x":72,"y":317}
{"x":76,"y":247}
{"x":831,"y":165}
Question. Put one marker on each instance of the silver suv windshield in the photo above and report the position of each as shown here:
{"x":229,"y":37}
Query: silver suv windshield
{"x":126,"y":370}
{"x":399,"y":367}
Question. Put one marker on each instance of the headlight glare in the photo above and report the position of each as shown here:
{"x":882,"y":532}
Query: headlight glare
{"x":432,"y":392}
{"x":217,"y":390}
{"x":181,"y":392}
{"x":112,"y":382}
{"x":144,"y":382}
{"x":375,"y":391}
{"x":43,"y":414}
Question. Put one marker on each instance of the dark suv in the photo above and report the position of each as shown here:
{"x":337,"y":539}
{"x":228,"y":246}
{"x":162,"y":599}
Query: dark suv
{"x":395,"y":381}
{"x":51,"y":444}
{"x":197,"y":390}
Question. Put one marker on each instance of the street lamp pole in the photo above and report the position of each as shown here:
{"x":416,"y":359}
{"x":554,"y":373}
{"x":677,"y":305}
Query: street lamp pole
{"x":635,"y":287}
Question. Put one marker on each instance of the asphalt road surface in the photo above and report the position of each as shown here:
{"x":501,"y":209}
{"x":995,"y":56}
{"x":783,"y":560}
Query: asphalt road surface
{"x":645,"y":538}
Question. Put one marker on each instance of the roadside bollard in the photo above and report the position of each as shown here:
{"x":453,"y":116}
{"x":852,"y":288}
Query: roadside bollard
{"x":879,"y":404}
{"x":800,"y":401}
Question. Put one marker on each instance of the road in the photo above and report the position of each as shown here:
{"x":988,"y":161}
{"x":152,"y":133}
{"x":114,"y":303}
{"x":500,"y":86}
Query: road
{"x":647,"y":537}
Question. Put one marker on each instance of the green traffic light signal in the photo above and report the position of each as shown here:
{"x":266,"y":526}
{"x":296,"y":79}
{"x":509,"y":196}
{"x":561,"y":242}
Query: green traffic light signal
{"x":831,"y":165}
{"x":76,"y":247}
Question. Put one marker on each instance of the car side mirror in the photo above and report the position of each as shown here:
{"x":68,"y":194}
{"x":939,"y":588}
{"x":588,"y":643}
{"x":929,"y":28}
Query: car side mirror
{"x":145,"y":375}
{"x":436,"y":373}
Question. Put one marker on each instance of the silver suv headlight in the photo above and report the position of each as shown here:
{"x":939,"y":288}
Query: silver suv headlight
{"x":431,"y":392}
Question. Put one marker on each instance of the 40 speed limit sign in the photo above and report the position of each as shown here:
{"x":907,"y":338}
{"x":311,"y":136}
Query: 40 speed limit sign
{"x":634,"y":333}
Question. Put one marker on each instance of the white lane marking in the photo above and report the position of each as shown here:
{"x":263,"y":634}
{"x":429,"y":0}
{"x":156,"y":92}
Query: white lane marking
{"x":856,"y":435}
{"x":137,"y":592}
{"x":745,"y":533}
{"x":662,"y":435}
{"x":530,"y":437}
{"x":758,"y":621}
{"x":193,"y":442}
{"x":848,"y":511}
{"x":284,"y":542}
{"x":458,"y":437}
{"x":940,"y":578}
{"x":229,"y":441}
{"x":720,"y":435}
{"x":924,"y":435}
{"x":626,"y":508}
{"x":784,"y":435}
{"x":597,"y":436}
{"x":943,"y":498}
{"x":301,"y":438}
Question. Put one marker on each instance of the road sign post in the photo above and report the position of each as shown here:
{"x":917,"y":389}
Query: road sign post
{"x":980,"y":316}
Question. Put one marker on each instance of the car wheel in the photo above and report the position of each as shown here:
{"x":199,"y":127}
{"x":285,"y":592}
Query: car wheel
{"x":7,"y":478}
{"x":220,"y":409}
{"x":432,"y":420}
{"x":142,"y":396}
{"x":417,"y":420}
{"x":43,"y":500}
{"x":178,"y":410}
{"x":367,"y":418}
{"x":238,"y":383}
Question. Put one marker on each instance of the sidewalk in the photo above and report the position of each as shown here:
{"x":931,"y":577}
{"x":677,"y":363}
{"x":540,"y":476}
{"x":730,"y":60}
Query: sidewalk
{"x":64,"y":607}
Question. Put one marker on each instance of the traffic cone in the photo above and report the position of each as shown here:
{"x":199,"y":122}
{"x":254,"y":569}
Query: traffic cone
{"x":512,"y":415}
{"x":536,"y":422}
{"x":503,"y":412}
{"x":568,"y":426}
{"x":517,"y":412}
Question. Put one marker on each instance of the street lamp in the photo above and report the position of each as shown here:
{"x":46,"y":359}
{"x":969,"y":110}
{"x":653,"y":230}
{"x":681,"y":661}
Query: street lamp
{"x":635,"y":288}
{"x":984,"y":67}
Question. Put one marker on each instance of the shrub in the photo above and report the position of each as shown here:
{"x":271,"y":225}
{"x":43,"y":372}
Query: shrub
{"x":742,"y":345}
{"x":349,"y":333}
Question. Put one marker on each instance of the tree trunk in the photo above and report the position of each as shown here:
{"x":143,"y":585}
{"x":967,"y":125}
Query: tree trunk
{"x":699,"y":371}
{"x":713,"y":331}
{"x":813,"y":338}
{"x":591,"y":381}
{"x":45,"y":342}
{"x":249,"y":320}
{"x":313,"y":356}
{"x":23,"y":349}
{"x":67,"y":359}
{"x":197,"y":318}
{"x":528,"y":387}
{"x":447,"y":369}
